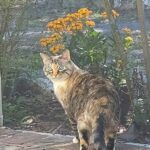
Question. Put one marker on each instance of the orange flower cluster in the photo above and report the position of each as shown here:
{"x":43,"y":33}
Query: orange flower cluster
{"x":105,"y":15}
{"x":57,"y":25}
{"x":51,"y":39}
{"x":90,"y":23}
{"x":70,"y":23}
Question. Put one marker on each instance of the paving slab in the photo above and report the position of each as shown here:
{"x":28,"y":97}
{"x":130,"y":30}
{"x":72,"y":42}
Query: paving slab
{"x":30,"y":140}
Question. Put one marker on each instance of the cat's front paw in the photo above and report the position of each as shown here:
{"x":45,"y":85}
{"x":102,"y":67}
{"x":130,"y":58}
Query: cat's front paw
{"x":75,"y":140}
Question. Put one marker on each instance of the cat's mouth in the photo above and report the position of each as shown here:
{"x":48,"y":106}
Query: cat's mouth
{"x":55,"y":70}
{"x":55,"y":74}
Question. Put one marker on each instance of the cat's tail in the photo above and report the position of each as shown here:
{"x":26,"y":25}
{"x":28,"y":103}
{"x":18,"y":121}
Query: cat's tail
{"x":98,"y":134}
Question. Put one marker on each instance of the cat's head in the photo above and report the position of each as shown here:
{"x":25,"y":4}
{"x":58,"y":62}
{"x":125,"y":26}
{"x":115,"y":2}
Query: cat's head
{"x":58,"y":67}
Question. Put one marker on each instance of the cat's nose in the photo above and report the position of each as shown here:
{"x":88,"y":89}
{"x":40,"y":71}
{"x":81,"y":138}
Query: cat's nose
{"x":55,"y":73}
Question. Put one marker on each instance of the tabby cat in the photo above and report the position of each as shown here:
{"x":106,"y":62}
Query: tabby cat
{"x":90,"y":101}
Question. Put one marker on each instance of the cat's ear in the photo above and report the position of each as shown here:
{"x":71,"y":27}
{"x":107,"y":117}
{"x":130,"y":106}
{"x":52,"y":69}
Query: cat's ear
{"x":45,"y":58}
{"x":66,"y":55}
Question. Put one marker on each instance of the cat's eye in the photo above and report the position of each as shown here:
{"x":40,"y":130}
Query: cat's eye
{"x":62,"y":68}
{"x":49,"y":69}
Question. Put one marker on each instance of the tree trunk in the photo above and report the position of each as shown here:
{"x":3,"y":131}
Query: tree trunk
{"x":1,"y":113}
{"x":140,"y":9}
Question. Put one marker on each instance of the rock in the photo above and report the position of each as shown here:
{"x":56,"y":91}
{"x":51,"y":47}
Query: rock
{"x":26,"y":87}
{"x":44,"y":83}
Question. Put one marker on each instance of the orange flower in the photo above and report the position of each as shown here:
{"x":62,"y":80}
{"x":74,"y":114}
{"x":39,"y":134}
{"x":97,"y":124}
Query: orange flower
{"x":50,"y":25}
{"x":67,"y":19}
{"x":76,"y":26}
{"x":73,"y":17}
{"x":84,"y":12}
{"x":57,"y":25}
{"x":43,"y":42}
{"x":56,"y":36}
{"x":126,"y":30}
{"x":115,"y":14}
{"x":78,"y":15}
{"x":57,"y":48}
{"x":50,"y":40}
{"x":90,"y":23}
{"x":104,"y":15}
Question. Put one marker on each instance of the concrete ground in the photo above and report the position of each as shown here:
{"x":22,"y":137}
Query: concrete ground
{"x":29,"y":140}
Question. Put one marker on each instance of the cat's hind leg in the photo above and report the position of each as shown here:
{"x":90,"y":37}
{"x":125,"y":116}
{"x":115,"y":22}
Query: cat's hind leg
{"x":98,"y":134}
{"x":110,"y":144}
{"x":110,"y":136}
{"x":83,"y":136}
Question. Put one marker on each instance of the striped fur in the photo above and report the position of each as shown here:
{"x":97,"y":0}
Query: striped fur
{"x":91,"y":102}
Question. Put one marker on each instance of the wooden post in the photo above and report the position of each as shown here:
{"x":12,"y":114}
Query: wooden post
{"x":1,"y":112}
{"x":140,"y":9}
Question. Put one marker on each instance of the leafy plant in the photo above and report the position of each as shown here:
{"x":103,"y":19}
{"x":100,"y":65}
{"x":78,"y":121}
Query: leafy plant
{"x":15,"y":111}
{"x":9,"y":37}
{"x":142,"y":111}
{"x":88,"y":47}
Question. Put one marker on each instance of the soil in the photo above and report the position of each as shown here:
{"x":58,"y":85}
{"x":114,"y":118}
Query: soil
{"x":52,"y":119}
{"x":47,"y":114}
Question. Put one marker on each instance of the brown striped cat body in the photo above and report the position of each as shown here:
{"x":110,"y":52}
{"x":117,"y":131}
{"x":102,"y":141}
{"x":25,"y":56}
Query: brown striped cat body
{"x":90,"y":101}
